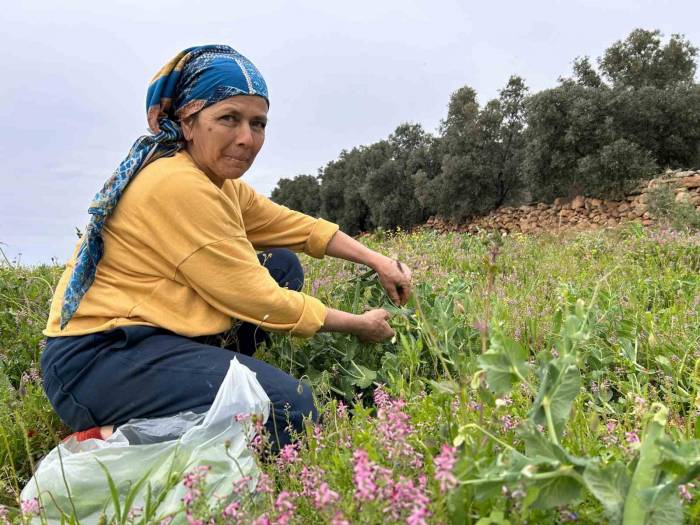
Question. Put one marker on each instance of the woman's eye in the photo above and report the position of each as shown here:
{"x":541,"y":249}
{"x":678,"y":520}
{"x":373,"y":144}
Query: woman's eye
{"x":260,"y":124}
{"x":229,"y":118}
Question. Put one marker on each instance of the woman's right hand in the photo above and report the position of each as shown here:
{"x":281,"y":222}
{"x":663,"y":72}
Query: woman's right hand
{"x":374,"y":327}
{"x":371,"y":326}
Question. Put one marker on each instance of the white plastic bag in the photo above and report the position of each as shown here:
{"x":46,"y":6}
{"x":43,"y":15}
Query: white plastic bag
{"x":159,"y":448}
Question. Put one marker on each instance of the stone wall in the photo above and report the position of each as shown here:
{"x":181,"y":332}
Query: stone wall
{"x":580,"y":213}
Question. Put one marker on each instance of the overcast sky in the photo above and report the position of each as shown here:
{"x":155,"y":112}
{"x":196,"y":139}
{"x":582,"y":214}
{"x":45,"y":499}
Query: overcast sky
{"x":340,"y":74}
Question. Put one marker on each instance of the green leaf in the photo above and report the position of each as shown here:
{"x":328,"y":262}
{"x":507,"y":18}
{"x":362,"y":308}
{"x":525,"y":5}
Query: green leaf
{"x":541,"y":450}
{"x":495,"y":518}
{"x":364,"y":376}
{"x":609,"y":484}
{"x":556,"y":492}
{"x":560,"y":385}
{"x":666,"y":511}
{"x":445,"y":387}
{"x":647,"y":470}
{"x":505,"y":363}
{"x":113,"y":491}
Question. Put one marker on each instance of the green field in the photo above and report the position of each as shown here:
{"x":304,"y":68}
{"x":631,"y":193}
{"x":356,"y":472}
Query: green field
{"x":533,"y":379}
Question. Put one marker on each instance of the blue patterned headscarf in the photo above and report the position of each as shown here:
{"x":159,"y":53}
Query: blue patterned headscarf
{"x":194,"y":79}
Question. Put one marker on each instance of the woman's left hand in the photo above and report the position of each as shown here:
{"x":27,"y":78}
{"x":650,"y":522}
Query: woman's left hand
{"x":396,"y":279}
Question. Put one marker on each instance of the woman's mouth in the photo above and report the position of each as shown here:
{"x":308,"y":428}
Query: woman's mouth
{"x":243,"y":160}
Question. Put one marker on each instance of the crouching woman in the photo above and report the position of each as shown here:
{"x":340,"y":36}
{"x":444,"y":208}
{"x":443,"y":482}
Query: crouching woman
{"x":168,"y":265}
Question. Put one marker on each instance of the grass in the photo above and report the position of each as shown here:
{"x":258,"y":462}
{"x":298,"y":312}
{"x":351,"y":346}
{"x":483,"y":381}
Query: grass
{"x":492,"y":321}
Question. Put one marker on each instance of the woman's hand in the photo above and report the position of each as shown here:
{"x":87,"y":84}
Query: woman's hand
{"x":371,"y":326}
{"x":395,"y":278}
{"x":374,"y":327}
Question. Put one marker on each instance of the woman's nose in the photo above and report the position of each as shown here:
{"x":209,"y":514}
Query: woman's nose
{"x":245,"y":135}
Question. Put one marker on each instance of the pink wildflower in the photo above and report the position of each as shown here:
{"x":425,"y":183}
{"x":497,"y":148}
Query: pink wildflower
{"x":263,"y":519}
{"x":190,"y":497}
{"x":310,"y":480}
{"x":685,"y":493}
{"x":417,"y":516}
{"x":191,"y":520}
{"x":241,"y":417}
{"x":288,"y":455}
{"x":508,"y":422}
{"x":314,"y":488}
{"x":473,"y":405}
{"x":232,"y":510}
{"x":631,"y":437}
{"x":284,"y":506}
{"x":363,"y":476}
{"x":134,"y":513}
{"x":319,"y":437}
{"x":193,"y":481}
{"x":325,"y":496}
{"x":339,"y":519}
{"x":407,"y":497}
{"x":395,"y":429}
{"x":444,"y":463}
{"x":3,"y":515}
{"x":264,"y":485}
{"x":257,"y":443}
{"x":381,"y":397}
{"x":194,"y":477}
{"x":240,"y":484}
{"x":481,"y":327}
{"x":342,"y":410}
{"x":30,"y":507}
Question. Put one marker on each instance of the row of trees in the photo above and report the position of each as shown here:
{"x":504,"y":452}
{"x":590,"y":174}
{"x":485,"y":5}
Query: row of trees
{"x":596,"y":133}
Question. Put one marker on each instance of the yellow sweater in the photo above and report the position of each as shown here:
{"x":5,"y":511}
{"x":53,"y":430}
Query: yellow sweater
{"x":179,"y":253}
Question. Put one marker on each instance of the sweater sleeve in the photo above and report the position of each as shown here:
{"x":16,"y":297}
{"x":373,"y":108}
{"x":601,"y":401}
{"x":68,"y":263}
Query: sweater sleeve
{"x":270,"y":225}
{"x":228,"y":275}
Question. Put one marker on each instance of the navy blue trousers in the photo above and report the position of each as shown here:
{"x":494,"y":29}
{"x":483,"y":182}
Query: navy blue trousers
{"x":108,"y":378}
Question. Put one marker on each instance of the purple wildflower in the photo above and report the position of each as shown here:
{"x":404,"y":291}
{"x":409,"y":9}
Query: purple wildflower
{"x":508,"y":422}
{"x":284,"y":506}
{"x":232,"y":510}
{"x":381,"y":397}
{"x":288,"y":455}
{"x":30,"y":507}
{"x":444,"y":463}
{"x":685,"y":493}
{"x":339,"y":519}
{"x":363,"y":476}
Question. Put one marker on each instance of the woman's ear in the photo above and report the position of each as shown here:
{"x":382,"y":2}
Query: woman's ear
{"x":187,"y":126}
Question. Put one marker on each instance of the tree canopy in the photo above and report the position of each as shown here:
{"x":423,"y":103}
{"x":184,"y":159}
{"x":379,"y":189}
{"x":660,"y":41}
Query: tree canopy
{"x":614,"y":121}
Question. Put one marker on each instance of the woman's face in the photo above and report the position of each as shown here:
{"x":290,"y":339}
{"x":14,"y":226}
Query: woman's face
{"x":223,"y":139}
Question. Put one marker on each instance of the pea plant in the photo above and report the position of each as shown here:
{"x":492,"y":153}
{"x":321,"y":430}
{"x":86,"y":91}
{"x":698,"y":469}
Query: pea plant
{"x":643,"y":490}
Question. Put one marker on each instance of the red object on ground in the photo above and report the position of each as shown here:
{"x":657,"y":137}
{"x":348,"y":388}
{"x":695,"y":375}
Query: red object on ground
{"x":90,"y":433}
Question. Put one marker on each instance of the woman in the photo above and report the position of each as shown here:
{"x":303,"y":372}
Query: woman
{"x":134,"y":336}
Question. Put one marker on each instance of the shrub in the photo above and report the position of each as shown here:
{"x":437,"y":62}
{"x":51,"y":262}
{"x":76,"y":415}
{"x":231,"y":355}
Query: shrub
{"x":663,"y":206}
{"x":302,"y":193}
{"x":615,"y":169}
